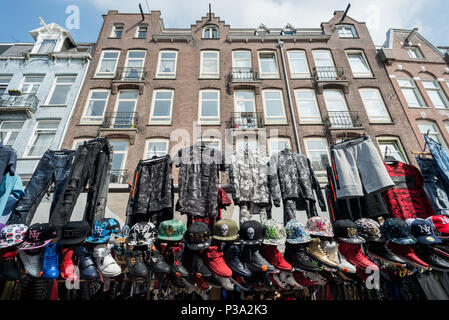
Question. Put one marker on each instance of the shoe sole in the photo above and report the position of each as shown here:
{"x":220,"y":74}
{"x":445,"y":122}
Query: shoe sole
{"x":441,"y":252}
{"x":414,"y":264}
{"x":397,"y":264}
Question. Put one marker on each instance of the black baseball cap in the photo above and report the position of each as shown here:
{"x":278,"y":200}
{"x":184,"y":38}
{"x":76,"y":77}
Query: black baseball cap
{"x":198,"y":236}
{"x":38,"y":235}
{"x":251,"y":233}
{"x":346,"y":230}
{"x":74,"y":232}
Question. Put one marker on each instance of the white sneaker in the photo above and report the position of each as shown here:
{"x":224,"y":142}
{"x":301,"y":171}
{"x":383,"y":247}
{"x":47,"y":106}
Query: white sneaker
{"x":225,"y":283}
{"x":288,"y":277}
{"x":32,"y":261}
{"x":347,"y":267}
{"x":105,"y":262}
{"x":331,"y":249}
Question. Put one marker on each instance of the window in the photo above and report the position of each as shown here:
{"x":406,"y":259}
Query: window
{"x":446,"y":125}
{"x":211,"y":143}
{"x":167,"y":64}
{"x":268,"y":65}
{"x":43,"y":137}
{"x":435,"y":94}
{"x":297,"y":61}
{"x":374,"y":105}
{"x":134,"y":65}
{"x":9,"y":131}
{"x":323,"y":58}
{"x":346,"y":31}
{"x":414,"y":53}
{"x":31,"y":84}
{"x":434,"y":133}
{"x":119,"y":151}
{"x":125,"y":107}
{"x":209,"y":106}
{"x":245,"y":116}
{"x":393,"y":148}
{"x":307,"y":106}
{"x":61,"y":90}
{"x":337,"y":109}
{"x":288,"y":31}
{"x":210,"y":32}
{"x":317,"y":152}
{"x":209,"y":64}
{"x":241,"y":66}
{"x":141,"y":31}
{"x":108,"y":64}
{"x":276,"y":145}
{"x":358,"y":63}
{"x":96,"y":106}
{"x":161,"y":109}
{"x":117,"y":30}
{"x":274,"y":106}
{"x":156,"y":147}
{"x":46,"y":46}
{"x":4,"y":81}
{"x":245,"y":143}
{"x":411,"y":94}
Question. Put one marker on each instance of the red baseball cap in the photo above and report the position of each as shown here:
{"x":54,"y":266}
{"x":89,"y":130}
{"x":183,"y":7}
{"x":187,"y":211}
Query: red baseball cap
{"x":440,"y":224}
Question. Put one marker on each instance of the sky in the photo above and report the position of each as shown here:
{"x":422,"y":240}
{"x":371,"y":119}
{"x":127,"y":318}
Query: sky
{"x":18,"y":17}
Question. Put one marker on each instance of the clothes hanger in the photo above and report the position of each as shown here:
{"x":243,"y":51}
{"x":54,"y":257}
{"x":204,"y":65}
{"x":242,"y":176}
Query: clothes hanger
{"x":388,"y":158}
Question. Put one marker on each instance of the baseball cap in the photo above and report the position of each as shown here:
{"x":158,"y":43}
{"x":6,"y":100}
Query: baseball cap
{"x":440,"y":225}
{"x":74,"y":232}
{"x":273,"y":233}
{"x":103,"y":229}
{"x":296,"y":232}
{"x":319,"y":226}
{"x":198,"y":236}
{"x":251,"y":233}
{"x":397,"y":231}
{"x":38,"y":235}
{"x":12,"y":235}
{"x":142,"y":234}
{"x":369,"y":229}
{"x":346,"y":230}
{"x":422,"y":230}
{"x":171,"y":230}
{"x":225,"y":230}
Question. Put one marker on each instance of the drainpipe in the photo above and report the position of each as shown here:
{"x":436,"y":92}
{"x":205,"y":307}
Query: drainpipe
{"x":287,"y":84}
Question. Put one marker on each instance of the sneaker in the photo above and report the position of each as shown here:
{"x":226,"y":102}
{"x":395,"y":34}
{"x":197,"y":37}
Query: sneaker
{"x":331,"y":249}
{"x":35,"y":288}
{"x":254,"y":260}
{"x":194,"y":264}
{"x":50,"y":265}
{"x":155,"y":262}
{"x":213,"y":259}
{"x":441,"y":250}
{"x":173,"y":256}
{"x":290,"y":279}
{"x":232,"y":258}
{"x":134,"y":261}
{"x":274,"y":257}
{"x":379,"y":250}
{"x":226,"y":283}
{"x":353,"y":254}
{"x":315,"y":250}
{"x":105,"y":262}
{"x":88,"y":270}
{"x":280,"y":283}
{"x":9,"y":269}
{"x":201,"y":283}
{"x":435,"y":262}
{"x":408,"y":255}
{"x":176,"y":280}
{"x":67,"y":265}
{"x":303,"y":280}
{"x":32,"y":261}
{"x":295,"y":255}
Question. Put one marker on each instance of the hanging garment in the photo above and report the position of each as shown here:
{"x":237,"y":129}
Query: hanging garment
{"x":11,"y":190}
{"x":198,"y":179}
{"x":223,"y":202}
{"x":407,"y":199}
{"x":8,"y":161}
{"x":443,"y":278}
{"x":431,"y":287}
{"x":440,"y":156}
{"x":434,"y":186}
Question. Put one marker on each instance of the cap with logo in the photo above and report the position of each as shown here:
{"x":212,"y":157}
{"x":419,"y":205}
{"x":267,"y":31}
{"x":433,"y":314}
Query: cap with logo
{"x":274,"y":233}
{"x":296,"y":232}
{"x":198,"y":236}
{"x":225,"y":230}
{"x":171,"y":230}
{"x":369,"y":229}
{"x":397,"y":231}
{"x":12,"y":235}
{"x":251,"y":233}
{"x":142,"y":234}
{"x":440,"y":225}
{"x":38,"y":235}
{"x":422,"y":230}
{"x":74,"y":232}
{"x":346,"y":230}
{"x":319,"y":226}
{"x":103,"y":229}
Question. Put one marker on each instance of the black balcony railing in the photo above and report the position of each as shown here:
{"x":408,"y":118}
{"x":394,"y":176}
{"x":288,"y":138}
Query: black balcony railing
{"x":119,"y":177}
{"x":238,"y":74}
{"x":245,"y":120}
{"x":120,"y":120}
{"x":24,"y":100}
{"x":343,"y":119}
{"x":328,"y":74}
{"x":130,"y":74}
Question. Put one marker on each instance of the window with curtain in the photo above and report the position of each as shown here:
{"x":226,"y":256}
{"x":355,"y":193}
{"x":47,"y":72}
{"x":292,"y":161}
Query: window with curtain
{"x":167,"y":64}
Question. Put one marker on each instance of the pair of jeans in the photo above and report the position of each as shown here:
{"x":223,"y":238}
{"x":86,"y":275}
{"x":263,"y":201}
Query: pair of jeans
{"x":91,"y":167}
{"x":440,"y":156}
{"x":54,"y":167}
{"x":434,"y":185}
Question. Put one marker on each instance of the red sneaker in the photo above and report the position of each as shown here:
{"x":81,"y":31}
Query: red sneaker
{"x":67,"y":265}
{"x":353,"y":253}
{"x":274,"y":257}
{"x":213,"y":259}
{"x":302,"y":280}
{"x":201,"y":283}
{"x":407,"y":253}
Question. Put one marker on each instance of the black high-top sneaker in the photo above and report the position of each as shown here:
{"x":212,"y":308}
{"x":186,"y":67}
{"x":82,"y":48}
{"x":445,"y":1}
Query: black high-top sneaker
{"x":295,"y":255}
{"x":135,"y":262}
{"x":193,"y":262}
{"x":155,"y":262}
{"x":173,"y":256}
{"x":254,"y":260}
{"x":9,"y":270}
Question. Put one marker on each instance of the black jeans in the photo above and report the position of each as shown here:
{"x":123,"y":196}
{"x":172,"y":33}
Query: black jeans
{"x":54,"y":167}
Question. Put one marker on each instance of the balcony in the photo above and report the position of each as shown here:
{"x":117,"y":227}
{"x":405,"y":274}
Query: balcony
{"x":243,"y":78}
{"x":119,"y":177}
{"x":330,"y":77}
{"x":130,"y":74}
{"x":245,"y":120}
{"x":343,"y":119}
{"x":120,"y":121}
{"x":19,"y":103}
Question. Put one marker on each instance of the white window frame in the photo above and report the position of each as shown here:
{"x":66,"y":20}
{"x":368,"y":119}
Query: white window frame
{"x":211,"y":27}
{"x":160,"y":74}
{"x":345,"y":35}
{"x":214,"y":75}
{"x":123,"y":76}
{"x":298,"y":75}
{"x":35,"y":135}
{"x":100,"y":120}
{"x":42,"y":42}
{"x":267,"y":120}
{"x":270,"y":140}
{"x":331,"y":59}
{"x":416,"y":50}
{"x":343,"y":98}
{"x":153,"y":101}
{"x":9,"y":131}
{"x":318,"y":172}
{"x":4,"y":85}
{"x":55,"y":83}
{"x":149,"y":153}
{"x":439,"y":91}
{"x":369,"y":73}
{"x":412,"y":85}
{"x":31,"y":83}
{"x":446,"y":125}
{"x":436,"y":132}
{"x":136,"y":36}
{"x":124,"y":158}
{"x":317,"y":120}
{"x":118,"y":100}
{"x":234,"y":58}
{"x":392,"y":140}
{"x":79,"y":140}
{"x":241,"y":139}
{"x":213,"y":120}
{"x":110,"y":74}
{"x":385,"y":118}
{"x":271,"y":75}
{"x":114,"y":28}
{"x":210,"y":140}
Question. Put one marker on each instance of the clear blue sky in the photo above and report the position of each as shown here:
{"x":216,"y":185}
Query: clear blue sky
{"x":17,"y":17}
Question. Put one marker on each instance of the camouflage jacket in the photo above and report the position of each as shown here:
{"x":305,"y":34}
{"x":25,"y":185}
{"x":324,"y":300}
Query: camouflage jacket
{"x":198,"y":179}
{"x":248,"y":177}
{"x":291,"y":177}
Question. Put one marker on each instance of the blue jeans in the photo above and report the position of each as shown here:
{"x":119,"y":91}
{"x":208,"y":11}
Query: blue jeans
{"x":440,"y":156}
